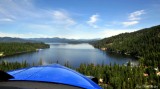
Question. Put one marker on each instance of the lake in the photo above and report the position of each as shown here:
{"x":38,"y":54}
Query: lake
{"x":74,"y":54}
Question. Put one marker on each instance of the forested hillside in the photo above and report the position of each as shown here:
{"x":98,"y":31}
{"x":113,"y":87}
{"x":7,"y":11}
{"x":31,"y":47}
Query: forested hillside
{"x":16,"y":48}
{"x":144,"y":44}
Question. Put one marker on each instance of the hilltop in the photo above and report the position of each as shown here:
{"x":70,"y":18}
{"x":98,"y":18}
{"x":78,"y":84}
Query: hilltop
{"x":144,"y":44}
{"x":45,"y":40}
{"x":19,"y":40}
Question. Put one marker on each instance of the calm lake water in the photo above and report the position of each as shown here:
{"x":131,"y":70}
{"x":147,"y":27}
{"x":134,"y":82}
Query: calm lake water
{"x":74,"y":54}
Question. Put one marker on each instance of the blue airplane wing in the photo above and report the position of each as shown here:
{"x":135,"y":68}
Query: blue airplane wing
{"x":54,"y":73}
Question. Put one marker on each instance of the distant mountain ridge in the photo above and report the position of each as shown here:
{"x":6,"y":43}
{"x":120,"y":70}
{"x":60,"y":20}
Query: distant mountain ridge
{"x":46,"y":40}
{"x":62,"y":40}
{"x":10,"y":39}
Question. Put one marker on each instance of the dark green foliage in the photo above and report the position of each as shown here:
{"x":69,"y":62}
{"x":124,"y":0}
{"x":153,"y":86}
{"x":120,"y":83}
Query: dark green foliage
{"x":17,"y":48}
{"x":6,"y":66}
{"x":143,"y":43}
{"x":122,"y":77}
{"x":114,"y":76}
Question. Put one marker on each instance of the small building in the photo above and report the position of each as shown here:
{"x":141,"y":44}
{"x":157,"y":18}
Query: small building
{"x":1,"y":54}
{"x":158,"y":73}
{"x":103,"y":49}
{"x":145,"y":74}
{"x":156,"y":69}
{"x":100,"y":80}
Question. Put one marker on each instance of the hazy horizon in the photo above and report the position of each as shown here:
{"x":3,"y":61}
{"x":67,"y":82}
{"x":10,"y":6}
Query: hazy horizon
{"x":49,"y":38}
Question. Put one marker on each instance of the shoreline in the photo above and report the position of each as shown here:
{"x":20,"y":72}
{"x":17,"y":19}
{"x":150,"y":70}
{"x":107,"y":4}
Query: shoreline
{"x":18,"y":53}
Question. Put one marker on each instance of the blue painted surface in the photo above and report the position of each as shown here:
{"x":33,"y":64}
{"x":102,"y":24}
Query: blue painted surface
{"x":54,"y":73}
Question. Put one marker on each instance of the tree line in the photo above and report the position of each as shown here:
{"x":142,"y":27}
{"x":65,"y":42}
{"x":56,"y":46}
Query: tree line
{"x":114,"y":76}
{"x":13,"y":48}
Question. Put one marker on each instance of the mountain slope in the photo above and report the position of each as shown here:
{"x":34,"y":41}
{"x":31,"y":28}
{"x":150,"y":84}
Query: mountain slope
{"x":10,"y":39}
{"x":144,"y":43}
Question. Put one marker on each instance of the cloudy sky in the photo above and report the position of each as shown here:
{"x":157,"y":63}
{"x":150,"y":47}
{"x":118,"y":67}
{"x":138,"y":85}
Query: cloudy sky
{"x":78,"y":19}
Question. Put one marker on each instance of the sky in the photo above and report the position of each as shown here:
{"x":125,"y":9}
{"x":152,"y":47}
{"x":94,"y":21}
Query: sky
{"x":76,"y":19}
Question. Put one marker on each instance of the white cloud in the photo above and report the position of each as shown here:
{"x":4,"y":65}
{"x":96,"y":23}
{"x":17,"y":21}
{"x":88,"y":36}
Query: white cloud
{"x":129,"y":23}
{"x":62,"y":17}
{"x":103,"y":33}
{"x":6,"y":20}
{"x":133,"y":18}
{"x":40,"y":27}
{"x":136,"y":15}
{"x":59,"y":15}
{"x":27,"y":35}
{"x":22,"y":10}
{"x":112,"y":32}
{"x":53,"y":23}
{"x":93,"y":20}
{"x":23,"y":13}
{"x":16,"y":9}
